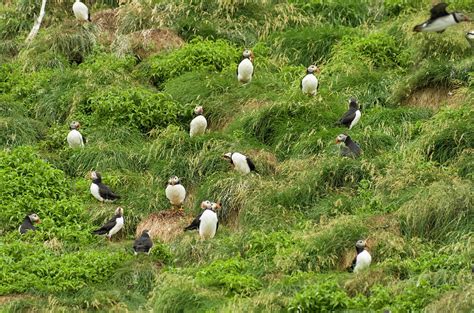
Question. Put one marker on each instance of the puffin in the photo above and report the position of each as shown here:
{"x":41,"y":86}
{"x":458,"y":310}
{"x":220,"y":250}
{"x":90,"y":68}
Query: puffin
{"x":175,"y":192}
{"x":245,"y":68}
{"x":81,"y":12}
{"x":100,"y":191}
{"x":208,"y":222}
{"x":112,"y":226}
{"x":74,"y":138}
{"x":362,"y":260}
{"x":352,"y":116}
{"x":143,"y":243}
{"x":241,"y":163}
{"x":470,"y":38}
{"x":198,"y":124}
{"x":28,"y":222}
{"x":205,"y":205}
{"x":309,"y":83}
{"x":440,"y":19}
{"x":351,"y":149}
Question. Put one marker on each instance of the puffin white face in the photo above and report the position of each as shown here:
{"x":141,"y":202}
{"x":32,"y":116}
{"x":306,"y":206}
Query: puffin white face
{"x":174,"y":180}
{"x":341,"y":138}
{"x":361,"y":244}
{"x":75,"y":125}
{"x":95,"y":175}
{"x":198,"y":110}
{"x":312,"y":69}
{"x":462,"y":17}
{"x":206,"y":204}
{"x":216,"y":206}
{"x":228,"y":156}
{"x":119,"y":211}
{"x":34,"y":218}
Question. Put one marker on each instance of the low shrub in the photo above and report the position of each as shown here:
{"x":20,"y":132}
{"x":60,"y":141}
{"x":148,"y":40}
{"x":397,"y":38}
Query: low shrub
{"x":325,"y":296}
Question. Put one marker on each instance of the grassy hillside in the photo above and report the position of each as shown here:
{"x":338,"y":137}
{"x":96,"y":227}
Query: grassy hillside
{"x":286,"y":235}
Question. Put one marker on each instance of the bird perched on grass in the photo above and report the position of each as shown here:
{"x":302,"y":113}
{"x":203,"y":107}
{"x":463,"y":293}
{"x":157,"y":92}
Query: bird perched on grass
{"x":112,"y":226}
{"x":74,"y":137}
{"x":175,"y":192}
{"x":199,"y":123}
{"x":351,"y":149}
{"x":352,"y":116}
{"x":100,"y":191}
{"x":28,"y":222}
{"x":245,"y":68}
{"x":143,"y":243}
{"x":205,"y":205}
{"x":440,"y":19}
{"x":241,"y":163}
{"x":362,"y":260}
{"x":470,"y":37}
{"x":206,"y":222}
{"x":81,"y":12}
{"x":309,"y":83}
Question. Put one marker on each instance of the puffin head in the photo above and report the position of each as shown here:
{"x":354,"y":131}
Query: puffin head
{"x":341,"y":138}
{"x":461,"y":17}
{"x":174,"y":180}
{"x":353,"y":102}
{"x":34,"y":218}
{"x":312,"y":69}
{"x":198,"y":110}
{"x":215,"y":206}
{"x":361,"y":244}
{"x":75,"y":125}
{"x":228,"y":156}
{"x":146,"y":233}
{"x":248,"y":54}
{"x":206,"y":204}
{"x":119,"y":211}
{"x":95,"y":175}
{"x":470,"y":35}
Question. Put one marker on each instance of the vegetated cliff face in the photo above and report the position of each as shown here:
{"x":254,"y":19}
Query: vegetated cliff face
{"x":286,"y":235}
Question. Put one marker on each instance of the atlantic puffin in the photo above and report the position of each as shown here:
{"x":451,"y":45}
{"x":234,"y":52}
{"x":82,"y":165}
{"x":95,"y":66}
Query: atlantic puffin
{"x":112,"y":226}
{"x":362,"y":260}
{"x":28,"y":223}
{"x":209,"y":222}
{"x":440,"y":19}
{"x":352,"y":116}
{"x":74,"y":137}
{"x":245,"y":68}
{"x":241,"y":163}
{"x":309,"y":83}
{"x":205,"y":205}
{"x":100,"y":191}
{"x":175,"y":192}
{"x":470,"y":38}
{"x":351,"y":149}
{"x":198,"y":124}
{"x":81,"y":12}
{"x":143,"y":243}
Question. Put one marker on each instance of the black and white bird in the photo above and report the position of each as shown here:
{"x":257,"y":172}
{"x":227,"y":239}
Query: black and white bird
{"x":175,"y":192}
{"x":100,"y":191}
{"x":28,"y":222}
{"x":143,"y":243}
{"x":74,"y":137}
{"x":362,"y":260}
{"x":245,"y":68}
{"x":351,"y":149}
{"x":81,"y":12}
{"x":112,"y":226}
{"x":309,"y":83}
{"x":241,"y":163}
{"x":199,"y":123}
{"x":470,"y":37}
{"x":440,"y":19}
{"x":205,"y":205}
{"x":352,"y":116}
{"x":209,"y":222}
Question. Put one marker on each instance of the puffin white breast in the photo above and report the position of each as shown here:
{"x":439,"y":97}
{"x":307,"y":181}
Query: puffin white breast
{"x":95,"y":192}
{"x":175,"y":194}
{"x":81,"y":12}
{"x":245,"y":71}
{"x":356,"y":119}
{"x":74,"y":138}
{"x":198,"y":126}
{"x":118,"y":226}
{"x":309,"y":84}
{"x":208,"y":225}
{"x":240,"y":163}
{"x":363,"y":261}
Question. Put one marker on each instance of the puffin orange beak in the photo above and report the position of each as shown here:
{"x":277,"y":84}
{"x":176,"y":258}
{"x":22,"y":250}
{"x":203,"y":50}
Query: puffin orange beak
{"x":219,"y":205}
{"x":337,"y":141}
{"x":38,"y":222}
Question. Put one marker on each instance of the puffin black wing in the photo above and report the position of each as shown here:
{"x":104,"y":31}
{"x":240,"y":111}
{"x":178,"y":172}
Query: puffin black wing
{"x":107,"y":227}
{"x":106,"y":193}
{"x":438,"y":10}
{"x":351,"y":269}
{"x":143,"y":244}
{"x":84,"y":139}
{"x":195,"y":223}
{"x":26,"y":226}
{"x":348,"y":117}
{"x":251,"y":165}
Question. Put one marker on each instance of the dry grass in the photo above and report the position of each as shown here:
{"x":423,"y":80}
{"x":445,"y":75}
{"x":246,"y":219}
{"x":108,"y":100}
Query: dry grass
{"x":107,"y":21}
{"x":434,"y":98}
{"x":166,"y":225}
{"x":151,"y":41}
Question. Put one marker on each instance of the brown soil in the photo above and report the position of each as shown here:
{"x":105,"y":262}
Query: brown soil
{"x":151,"y":41}
{"x":435,"y":97}
{"x":165,"y":225}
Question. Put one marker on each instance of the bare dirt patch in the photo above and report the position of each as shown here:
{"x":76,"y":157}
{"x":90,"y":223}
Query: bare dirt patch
{"x":151,"y":41}
{"x":435,"y":97}
{"x":165,"y":225}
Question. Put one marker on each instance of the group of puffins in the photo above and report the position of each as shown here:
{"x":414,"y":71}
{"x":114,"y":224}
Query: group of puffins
{"x":207,"y":221}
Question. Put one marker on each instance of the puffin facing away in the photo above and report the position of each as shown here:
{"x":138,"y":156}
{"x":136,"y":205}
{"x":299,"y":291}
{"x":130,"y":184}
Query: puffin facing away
{"x":352,"y":116}
{"x":28,"y":223}
{"x":74,"y":138}
{"x":245,"y":68}
{"x":112,"y":226}
{"x":143,"y":243}
{"x":81,"y":12}
{"x":440,"y":19}
{"x":470,"y":38}
{"x":100,"y":191}
{"x":241,"y":163}
{"x":198,"y":124}
{"x":208,"y":222}
{"x":351,"y":149}
{"x":205,"y":205}
{"x":362,"y":260}
{"x":175,"y":192}
{"x":309,"y":83}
